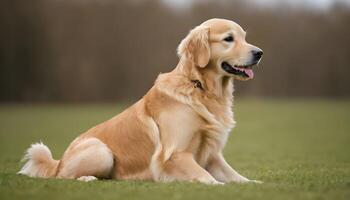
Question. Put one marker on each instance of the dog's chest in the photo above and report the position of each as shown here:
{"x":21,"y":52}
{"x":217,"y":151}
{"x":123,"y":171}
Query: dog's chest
{"x":212,"y":136}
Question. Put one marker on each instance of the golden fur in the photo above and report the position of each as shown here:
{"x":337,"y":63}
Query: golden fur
{"x":177,"y":131}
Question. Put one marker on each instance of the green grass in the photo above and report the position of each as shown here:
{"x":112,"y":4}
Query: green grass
{"x":300,"y":149}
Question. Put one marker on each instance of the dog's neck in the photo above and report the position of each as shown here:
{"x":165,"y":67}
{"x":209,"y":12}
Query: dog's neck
{"x":206,"y":79}
{"x":217,"y":85}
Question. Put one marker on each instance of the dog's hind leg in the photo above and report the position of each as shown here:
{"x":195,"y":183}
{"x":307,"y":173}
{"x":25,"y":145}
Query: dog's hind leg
{"x":86,"y":160}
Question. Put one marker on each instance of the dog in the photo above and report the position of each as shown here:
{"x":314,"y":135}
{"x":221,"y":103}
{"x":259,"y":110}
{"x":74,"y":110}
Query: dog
{"x":177,"y":131}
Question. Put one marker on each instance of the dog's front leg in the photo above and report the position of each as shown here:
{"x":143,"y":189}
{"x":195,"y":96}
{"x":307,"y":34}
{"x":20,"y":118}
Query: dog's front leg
{"x":222,"y":171}
{"x":182,"y":167}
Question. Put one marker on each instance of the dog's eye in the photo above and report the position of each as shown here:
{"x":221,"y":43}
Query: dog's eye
{"x":229,"y":39}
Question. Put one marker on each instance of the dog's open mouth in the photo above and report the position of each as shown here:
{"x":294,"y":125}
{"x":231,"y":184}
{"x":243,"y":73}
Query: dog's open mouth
{"x":243,"y":71}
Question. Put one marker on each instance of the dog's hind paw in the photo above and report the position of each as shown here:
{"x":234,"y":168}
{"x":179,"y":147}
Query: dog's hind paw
{"x":87,"y":178}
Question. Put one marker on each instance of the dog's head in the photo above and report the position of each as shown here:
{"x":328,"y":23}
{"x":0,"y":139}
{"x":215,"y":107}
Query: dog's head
{"x":221,"y":43}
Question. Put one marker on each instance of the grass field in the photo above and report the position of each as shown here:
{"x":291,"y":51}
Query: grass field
{"x":300,"y":149}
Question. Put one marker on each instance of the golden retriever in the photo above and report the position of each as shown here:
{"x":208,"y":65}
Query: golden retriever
{"x":177,"y":131}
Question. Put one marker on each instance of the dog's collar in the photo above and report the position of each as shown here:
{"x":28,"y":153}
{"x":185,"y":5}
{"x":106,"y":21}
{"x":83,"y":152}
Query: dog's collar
{"x":197,"y":84}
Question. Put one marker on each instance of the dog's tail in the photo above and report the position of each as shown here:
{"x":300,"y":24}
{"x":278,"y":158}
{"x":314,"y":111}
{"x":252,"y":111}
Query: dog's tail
{"x":39,"y":162}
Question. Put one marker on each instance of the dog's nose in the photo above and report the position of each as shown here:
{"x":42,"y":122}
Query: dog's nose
{"x":257,"y":54}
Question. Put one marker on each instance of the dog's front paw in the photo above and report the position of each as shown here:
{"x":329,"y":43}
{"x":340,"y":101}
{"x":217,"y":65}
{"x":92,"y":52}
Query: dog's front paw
{"x":210,"y":181}
{"x":217,"y":183}
{"x":244,"y":180}
{"x":255,"y":181}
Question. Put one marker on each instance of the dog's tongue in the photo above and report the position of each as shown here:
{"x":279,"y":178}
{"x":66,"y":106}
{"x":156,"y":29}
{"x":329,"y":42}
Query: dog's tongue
{"x":249,"y":72}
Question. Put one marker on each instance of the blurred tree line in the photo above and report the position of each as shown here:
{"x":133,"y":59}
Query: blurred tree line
{"x":104,"y":50}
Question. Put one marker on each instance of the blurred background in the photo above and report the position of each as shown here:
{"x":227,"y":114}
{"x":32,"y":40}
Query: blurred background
{"x":112,"y":50}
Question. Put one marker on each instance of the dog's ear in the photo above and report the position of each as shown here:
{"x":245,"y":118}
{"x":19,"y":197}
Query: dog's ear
{"x":196,"y":46}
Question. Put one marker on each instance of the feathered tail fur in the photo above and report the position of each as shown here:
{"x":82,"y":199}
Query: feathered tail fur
{"x":39,"y":162}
